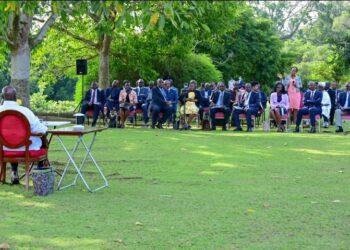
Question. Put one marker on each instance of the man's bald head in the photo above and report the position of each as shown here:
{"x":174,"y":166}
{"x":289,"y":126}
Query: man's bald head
{"x":9,"y":93}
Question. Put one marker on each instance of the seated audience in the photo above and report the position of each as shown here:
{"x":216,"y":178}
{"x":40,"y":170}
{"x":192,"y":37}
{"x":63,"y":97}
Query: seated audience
{"x":127,"y":102}
{"x":279,"y":104}
{"x":190,"y":105}
{"x":326,"y":104}
{"x":173,"y":97}
{"x":220,"y":102}
{"x":9,"y":95}
{"x":160,"y":103}
{"x":249,"y":106}
{"x":205,"y":96}
{"x":312,"y":107}
{"x":94,"y":100}
{"x":142,"y":93}
{"x":112,"y":97}
{"x":333,"y":92}
{"x":343,"y":108}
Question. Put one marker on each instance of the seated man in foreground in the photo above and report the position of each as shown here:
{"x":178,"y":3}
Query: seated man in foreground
{"x":312,"y":107}
{"x":160,"y":103}
{"x":220,"y":102}
{"x":249,"y":105}
{"x":343,"y":108}
{"x":94,"y":99}
{"x":36,"y":126}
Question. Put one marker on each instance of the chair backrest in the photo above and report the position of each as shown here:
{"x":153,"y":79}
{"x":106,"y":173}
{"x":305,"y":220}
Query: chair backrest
{"x":14,"y":129}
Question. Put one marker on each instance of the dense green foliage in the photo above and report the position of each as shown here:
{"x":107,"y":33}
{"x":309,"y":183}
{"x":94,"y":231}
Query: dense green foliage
{"x":206,"y":41}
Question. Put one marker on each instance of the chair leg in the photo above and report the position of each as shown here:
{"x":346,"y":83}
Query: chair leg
{"x":27,"y":176}
{"x":3,"y":172}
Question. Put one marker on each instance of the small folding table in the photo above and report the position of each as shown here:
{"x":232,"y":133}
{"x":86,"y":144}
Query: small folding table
{"x":70,"y":131}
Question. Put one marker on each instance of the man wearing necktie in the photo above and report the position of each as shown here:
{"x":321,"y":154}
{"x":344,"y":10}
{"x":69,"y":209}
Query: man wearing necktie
{"x":160,"y":103}
{"x":343,"y":108}
{"x":94,"y":100}
{"x":220,"y":102}
{"x":249,"y":105}
{"x":312,"y":107}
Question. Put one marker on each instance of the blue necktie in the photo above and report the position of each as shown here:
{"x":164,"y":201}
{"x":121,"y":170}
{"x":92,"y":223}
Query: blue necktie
{"x":163,"y":93}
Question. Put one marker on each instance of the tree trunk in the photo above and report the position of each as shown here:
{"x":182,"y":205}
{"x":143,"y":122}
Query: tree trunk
{"x":103,"y":72}
{"x":20,"y":72}
{"x":18,"y":32}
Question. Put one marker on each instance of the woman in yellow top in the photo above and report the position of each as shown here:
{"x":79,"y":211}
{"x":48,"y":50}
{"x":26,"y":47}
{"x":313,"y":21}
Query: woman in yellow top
{"x":190,"y":101}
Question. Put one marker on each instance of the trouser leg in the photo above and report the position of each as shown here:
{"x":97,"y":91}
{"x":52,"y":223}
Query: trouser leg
{"x":338,"y":120}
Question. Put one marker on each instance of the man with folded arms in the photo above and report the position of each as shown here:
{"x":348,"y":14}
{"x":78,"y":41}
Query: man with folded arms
{"x":312,"y":107}
{"x":36,"y":126}
{"x":160,"y":103}
{"x":249,"y":105}
{"x":343,"y":108}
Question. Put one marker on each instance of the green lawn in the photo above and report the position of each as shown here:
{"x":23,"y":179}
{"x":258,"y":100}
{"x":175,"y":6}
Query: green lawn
{"x":193,"y":190}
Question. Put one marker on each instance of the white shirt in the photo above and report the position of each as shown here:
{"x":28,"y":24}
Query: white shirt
{"x":246,"y":99}
{"x":35,"y":125}
{"x":346,"y":105}
{"x":94,"y":101}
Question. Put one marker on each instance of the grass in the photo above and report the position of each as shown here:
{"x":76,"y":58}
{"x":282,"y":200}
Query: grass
{"x":193,"y":190}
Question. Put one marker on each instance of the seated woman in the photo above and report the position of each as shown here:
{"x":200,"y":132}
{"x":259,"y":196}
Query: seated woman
{"x":279,"y":104}
{"x":127,"y":102}
{"x":190,"y":101}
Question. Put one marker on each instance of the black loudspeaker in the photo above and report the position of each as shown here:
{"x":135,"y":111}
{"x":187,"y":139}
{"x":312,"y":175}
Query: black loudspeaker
{"x":81,"y":66}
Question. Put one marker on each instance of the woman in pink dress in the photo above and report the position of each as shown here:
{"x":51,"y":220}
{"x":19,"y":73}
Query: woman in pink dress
{"x":293,"y":86}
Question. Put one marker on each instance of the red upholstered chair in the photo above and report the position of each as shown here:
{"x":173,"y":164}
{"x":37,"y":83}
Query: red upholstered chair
{"x":14,"y":133}
{"x":243,"y":117}
{"x":307,"y":118}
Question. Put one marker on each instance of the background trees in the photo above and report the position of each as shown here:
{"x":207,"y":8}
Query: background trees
{"x":206,"y":41}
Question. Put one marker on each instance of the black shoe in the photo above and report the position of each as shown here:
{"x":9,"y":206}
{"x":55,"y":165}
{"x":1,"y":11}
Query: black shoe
{"x":160,"y":126}
{"x":249,"y":130}
{"x":238,"y":129}
{"x":339,"y":130}
{"x":312,"y":130}
{"x":14,"y":178}
{"x":153,"y":126}
{"x":296,"y":130}
{"x":213,"y":128}
{"x":224,"y":128}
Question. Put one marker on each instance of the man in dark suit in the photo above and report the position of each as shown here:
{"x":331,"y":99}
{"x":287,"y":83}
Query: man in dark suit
{"x":333,"y":92}
{"x":312,"y":106}
{"x":205,"y":96}
{"x":160,"y":103}
{"x":173,"y":97}
{"x":249,"y":105}
{"x":94,"y":99}
{"x":220,"y":102}
{"x":343,"y":107}
{"x":112,"y":97}
{"x":142,"y":93}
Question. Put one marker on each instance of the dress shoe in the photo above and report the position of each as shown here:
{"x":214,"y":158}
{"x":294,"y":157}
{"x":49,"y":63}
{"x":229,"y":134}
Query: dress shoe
{"x":213,"y":128}
{"x":14,"y":178}
{"x":339,"y":130}
{"x":160,"y":126}
{"x":153,"y":126}
{"x":238,"y":129}
{"x":296,"y":130}
{"x":312,"y":130}
{"x":249,"y":130}
{"x":224,"y":128}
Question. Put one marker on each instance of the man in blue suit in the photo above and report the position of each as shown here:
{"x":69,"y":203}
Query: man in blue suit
{"x":312,"y":107}
{"x":142,"y":93}
{"x":220,"y":102}
{"x":205,"y":94}
{"x":343,"y":107}
{"x":160,"y":103}
{"x":94,"y":99}
{"x":173,"y":97}
{"x":249,"y":105}
{"x":112,"y":96}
